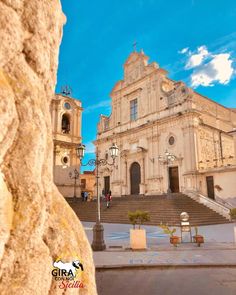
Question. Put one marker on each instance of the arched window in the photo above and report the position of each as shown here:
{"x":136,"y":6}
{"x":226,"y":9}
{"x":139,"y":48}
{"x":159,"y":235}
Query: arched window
{"x":65,"y":124}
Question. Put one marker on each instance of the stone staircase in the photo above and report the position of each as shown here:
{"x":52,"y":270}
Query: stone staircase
{"x":165,"y":209}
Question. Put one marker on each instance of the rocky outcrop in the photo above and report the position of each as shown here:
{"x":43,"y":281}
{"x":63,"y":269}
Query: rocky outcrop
{"x":37,"y":226}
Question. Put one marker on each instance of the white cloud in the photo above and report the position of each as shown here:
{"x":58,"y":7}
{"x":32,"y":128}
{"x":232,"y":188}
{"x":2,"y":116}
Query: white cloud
{"x":101,"y":104}
{"x":209,"y":68}
{"x":89,"y":148}
{"x":219,"y":69}
{"x":184,"y":50}
{"x":198,"y":58}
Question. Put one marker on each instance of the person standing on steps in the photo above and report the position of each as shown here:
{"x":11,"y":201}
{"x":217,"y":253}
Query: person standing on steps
{"x":85,"y":196}
{"x":108,"y":199}
{"x":82,"y":196}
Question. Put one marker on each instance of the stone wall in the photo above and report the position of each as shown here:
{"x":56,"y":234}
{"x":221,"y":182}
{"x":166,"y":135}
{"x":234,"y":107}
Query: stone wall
{"x":37,"y":225}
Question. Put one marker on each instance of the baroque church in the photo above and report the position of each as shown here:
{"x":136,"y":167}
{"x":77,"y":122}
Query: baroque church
{"x":169,"y":137}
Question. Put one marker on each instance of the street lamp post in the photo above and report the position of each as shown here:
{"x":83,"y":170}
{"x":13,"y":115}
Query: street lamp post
{"x":167,"y":159}
{"x":98,"y":243}
{"x":74,"y":176}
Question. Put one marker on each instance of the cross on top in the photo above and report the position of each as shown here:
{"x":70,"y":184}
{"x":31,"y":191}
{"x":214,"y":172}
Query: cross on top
{"x":135,"y":45}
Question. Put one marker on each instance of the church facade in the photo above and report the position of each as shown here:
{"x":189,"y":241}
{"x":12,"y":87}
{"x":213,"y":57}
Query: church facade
{"x":169,"y":136}
{"x":66,"y":113}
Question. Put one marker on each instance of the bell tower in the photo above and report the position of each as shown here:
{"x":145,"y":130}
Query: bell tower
{"x":66,"y":113}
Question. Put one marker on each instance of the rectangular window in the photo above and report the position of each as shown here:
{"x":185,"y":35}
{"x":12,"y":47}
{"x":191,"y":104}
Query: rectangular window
{"x":134,"y":109}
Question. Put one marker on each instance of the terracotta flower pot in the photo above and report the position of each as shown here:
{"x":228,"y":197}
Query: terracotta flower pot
{"x":174,"y":240}
{"x":198,"y":239}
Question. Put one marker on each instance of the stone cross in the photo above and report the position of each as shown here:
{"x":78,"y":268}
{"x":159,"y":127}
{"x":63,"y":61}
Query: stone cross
{"x":135,"y":46}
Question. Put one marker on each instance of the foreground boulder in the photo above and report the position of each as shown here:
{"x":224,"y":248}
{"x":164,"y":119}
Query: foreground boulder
{"x":36,"y":224}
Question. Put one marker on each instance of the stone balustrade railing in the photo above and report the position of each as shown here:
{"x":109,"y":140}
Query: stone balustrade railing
{"x":212,"y":204}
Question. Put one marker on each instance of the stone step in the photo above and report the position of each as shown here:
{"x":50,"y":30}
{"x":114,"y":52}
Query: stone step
{"x":152,"y":215}
{"x":192,"y":217}
{"x":161,"y":209}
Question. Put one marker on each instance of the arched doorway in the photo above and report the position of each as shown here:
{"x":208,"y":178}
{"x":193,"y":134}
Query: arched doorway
{"x":135,"y":178}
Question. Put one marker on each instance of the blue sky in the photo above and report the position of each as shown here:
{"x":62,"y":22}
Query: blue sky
{"x":99,"y":36}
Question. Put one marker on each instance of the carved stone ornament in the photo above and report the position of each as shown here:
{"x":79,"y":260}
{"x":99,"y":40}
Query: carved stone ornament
{"x":178,"y":94}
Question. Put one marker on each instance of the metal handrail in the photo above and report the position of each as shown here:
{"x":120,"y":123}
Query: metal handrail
{"x":222,"y":209}
{"x":223,"y":202}
{"x":212,"y":201}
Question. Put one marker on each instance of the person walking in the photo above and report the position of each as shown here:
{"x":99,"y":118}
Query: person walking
{"x":85,"y":196}
{"x":108,"y":199}
{"x":82,"y":196}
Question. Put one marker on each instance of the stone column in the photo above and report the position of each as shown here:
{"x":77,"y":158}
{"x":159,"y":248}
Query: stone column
{"x":233,"y":133}
{"x":124,"y":173}
{"x":189,"y":154}
{"x":143,"y":173}
{"x":57,"y":123}
{"x":190,"y":149}
{"x":76,"y":124}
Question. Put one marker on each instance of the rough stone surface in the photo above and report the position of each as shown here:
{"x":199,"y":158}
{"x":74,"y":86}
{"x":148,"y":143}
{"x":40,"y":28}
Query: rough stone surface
{"x":36,"y":225}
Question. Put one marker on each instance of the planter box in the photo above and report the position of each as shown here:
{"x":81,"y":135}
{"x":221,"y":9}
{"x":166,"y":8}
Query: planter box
{"x":138,"y":239}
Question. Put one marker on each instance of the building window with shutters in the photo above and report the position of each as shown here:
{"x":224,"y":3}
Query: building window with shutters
{"x":134,"y":109}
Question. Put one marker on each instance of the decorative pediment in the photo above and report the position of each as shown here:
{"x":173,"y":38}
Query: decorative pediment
{"x":134,"y":66}
{"x":136,"y":58}
{"x":66,"y":104}
{"x":133,"y":57}
{"x":70,"y":103}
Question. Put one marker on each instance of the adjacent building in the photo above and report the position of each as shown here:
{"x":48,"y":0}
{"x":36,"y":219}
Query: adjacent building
{"x":66,"y":115}
{"x":151,"y":115}
{"x":88,"y":183}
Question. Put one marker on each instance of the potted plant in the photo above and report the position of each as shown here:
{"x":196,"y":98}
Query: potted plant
{"x":174,"y":240}
{"x":233,"y":214}
{"x":199,"y":239}
{"x":137,"y":235}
